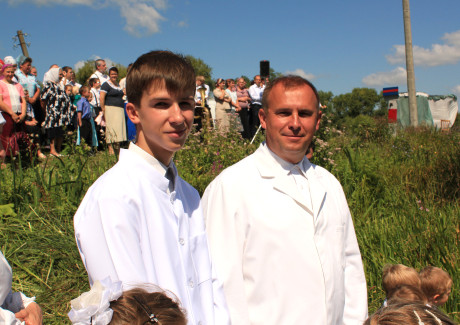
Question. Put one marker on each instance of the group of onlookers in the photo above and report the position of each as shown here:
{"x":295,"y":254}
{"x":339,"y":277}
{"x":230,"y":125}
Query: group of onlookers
{"x":35,"y":114}
{"x":234,"y":97}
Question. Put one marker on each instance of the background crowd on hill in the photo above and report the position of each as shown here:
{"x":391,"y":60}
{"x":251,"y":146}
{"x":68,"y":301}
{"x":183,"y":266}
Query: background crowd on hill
{"x":37,"y":116}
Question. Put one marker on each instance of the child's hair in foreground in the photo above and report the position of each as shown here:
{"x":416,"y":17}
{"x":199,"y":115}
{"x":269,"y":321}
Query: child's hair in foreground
{"x":408,"y":314}
{"x":137,"y":307}
{"x":435,"y":283}
{"x":406,"y":293}
{"x":159,"y":69}
{"x":397,"y":274}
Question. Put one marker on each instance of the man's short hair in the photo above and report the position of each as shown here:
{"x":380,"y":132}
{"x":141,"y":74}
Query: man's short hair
{"x":98,"y":62}
{"x":66,"y":69}
{"x":406,"y":293}
{"x":159,"y":68}
{"x":434,"y":281}
{"x":288,"y":82}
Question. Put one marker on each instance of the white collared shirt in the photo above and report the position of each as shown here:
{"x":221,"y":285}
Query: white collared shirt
{"x":129,"y":228}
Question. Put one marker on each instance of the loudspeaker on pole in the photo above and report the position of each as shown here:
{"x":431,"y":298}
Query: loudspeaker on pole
{"x":264,"y":69}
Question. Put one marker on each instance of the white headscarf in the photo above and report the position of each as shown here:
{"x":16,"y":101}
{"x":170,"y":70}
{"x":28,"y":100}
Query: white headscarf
{"x":52,"y":75}
{"x":6,"y":277}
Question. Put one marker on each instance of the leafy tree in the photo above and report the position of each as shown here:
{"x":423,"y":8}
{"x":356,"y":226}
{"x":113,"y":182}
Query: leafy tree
{"x":274,"y":74}
{"x":359,"y":101}
{"x":88,"y":68}
{"x":82,"y":75}
{"x":201,"y":68}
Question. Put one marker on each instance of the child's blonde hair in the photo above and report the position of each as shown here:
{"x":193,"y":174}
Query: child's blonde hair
{"x":406,"y":293}
{"x":434,"y":281}
{"x":137,"y":307}
{"x":408,"y":314}
{"x":398,"y":274}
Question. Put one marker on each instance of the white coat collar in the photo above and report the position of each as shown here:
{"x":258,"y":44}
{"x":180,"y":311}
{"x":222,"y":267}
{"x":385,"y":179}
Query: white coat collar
{"x":272,"y":166}
{"x":134,"y":162}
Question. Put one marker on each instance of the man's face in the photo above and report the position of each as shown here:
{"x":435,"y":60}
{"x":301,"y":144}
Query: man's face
{"x":67,"y":73}
{"x":291,"y":121}
{"x":164,"y":121}
{"x":102,"y":67}
{"x":257,"y":80}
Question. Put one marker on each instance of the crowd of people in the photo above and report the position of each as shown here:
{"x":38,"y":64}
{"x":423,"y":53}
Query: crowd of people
{"x":36,"y":115}
{"x":271,"y":241}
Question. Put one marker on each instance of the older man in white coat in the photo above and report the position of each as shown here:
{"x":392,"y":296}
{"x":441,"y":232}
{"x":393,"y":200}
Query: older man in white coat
{"x":279,"y":227}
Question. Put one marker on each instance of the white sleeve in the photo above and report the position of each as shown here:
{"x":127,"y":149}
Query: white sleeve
{"x":253,"y":93}
{"x":355,"y":310}
{"x":226,"y":233}
{"x":108,"y":239}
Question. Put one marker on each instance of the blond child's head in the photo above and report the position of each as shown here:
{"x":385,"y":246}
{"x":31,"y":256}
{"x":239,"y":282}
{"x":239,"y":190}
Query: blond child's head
{"x":137,"y":307}
{"x":68,"y":90}
{"x":408,"y":314}
{"x":436,"y":284}
{"x":395,"y":275}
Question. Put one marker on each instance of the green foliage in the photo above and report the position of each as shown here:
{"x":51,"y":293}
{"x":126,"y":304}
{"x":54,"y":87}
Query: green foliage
{"x":359,"y":101}
{"x":88,"y":68}
{"x":403,"y":193}
{"x":82,"y":75}
{"x":201,"y":68}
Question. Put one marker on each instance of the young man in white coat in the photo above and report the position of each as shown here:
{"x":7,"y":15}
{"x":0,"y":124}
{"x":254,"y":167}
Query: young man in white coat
{"x":279,"y":228}
{"x":140,"y":223}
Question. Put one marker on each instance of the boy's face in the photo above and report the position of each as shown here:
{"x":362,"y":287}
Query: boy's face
{"x":68,"y":91}
{"x":442,"y":299}
{"x":163,"y":121}
{"x":86,"y":93}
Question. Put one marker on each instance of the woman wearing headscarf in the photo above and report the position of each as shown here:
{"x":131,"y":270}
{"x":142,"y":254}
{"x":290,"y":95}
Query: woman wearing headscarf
{"x":223,"y":101}
{"x":12,"y":107}
{"x":112,"y":105}
{"x":58,"y":110}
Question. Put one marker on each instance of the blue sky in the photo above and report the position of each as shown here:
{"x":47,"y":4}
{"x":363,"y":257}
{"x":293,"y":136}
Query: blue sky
{"x":339,"y":45}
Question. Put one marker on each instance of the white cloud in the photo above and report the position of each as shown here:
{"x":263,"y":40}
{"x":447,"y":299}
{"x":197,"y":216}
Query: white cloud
{"x":438,"y":54}
{"x":456,"y":90}
{"x":182,"y":24}
{"x":301,"y":73}
{"x":142,"y":16}
{"x":390,"y":78}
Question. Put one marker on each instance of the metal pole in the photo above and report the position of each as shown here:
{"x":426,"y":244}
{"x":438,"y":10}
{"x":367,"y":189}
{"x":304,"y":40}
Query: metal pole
{"x":410,"y":65}
{"x":25,"y":52}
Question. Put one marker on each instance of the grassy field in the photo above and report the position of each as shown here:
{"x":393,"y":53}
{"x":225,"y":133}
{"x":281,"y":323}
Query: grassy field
{"x":402,"y":188}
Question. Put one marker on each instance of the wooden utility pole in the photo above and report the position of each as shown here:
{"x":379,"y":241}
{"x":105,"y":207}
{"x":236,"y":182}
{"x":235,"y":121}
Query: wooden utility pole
{"x":23,"y":44}
{"x":410,"y":65}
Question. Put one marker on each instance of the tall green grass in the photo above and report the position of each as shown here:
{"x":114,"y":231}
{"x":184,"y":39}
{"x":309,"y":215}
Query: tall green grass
{"x":403,"y":191}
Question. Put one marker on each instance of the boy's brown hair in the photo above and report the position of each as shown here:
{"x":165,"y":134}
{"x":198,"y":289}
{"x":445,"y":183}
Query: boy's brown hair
{"x":406,"y":293}
{"x":159,"y":69}
{"x":136,"y":306}
{"x":83,"y":89}
{"x":435,"y":281}
{"x":395,"y":275}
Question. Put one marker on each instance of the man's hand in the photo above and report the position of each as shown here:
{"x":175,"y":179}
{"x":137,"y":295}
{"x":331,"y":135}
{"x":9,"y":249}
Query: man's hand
{"x":32,"y":315}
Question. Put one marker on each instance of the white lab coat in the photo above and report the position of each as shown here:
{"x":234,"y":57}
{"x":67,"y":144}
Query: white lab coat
{"x":129,"y":228}
{"x":280,"y":262}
